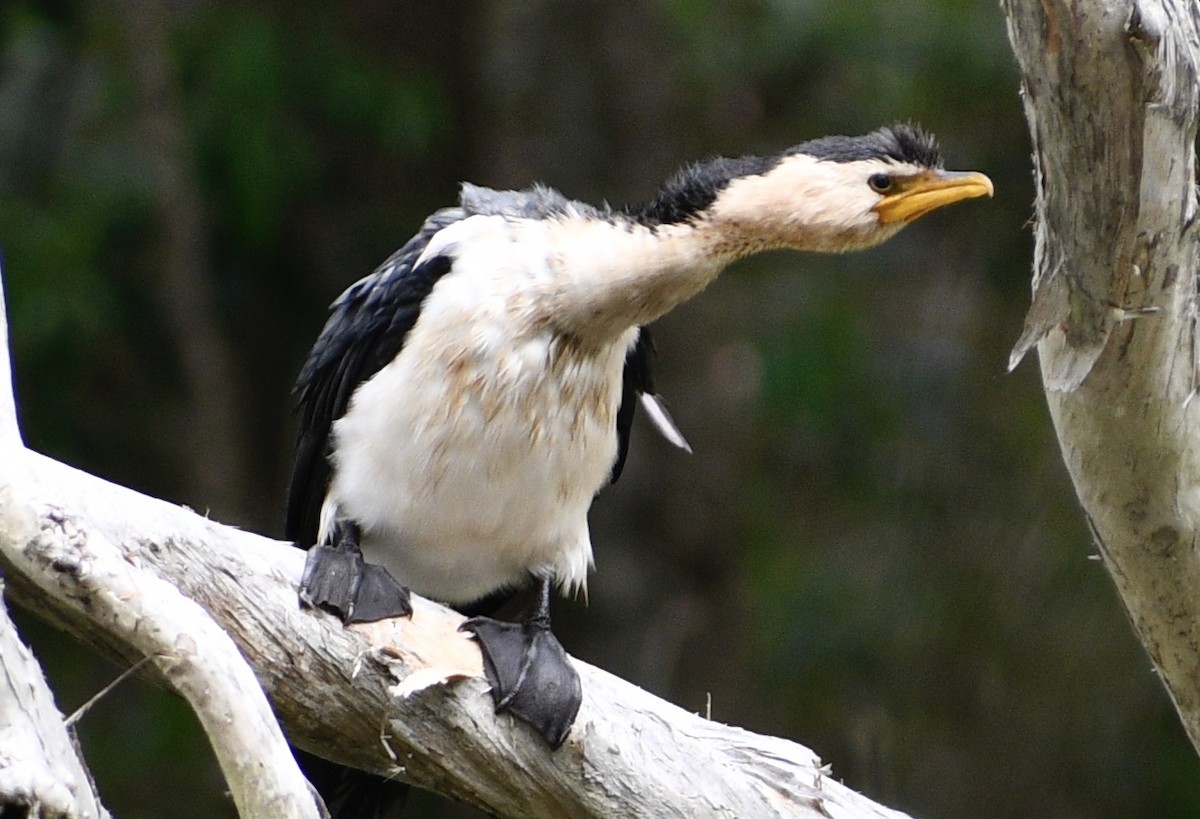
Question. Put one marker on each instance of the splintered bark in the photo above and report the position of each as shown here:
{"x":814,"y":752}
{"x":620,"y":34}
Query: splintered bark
{"x":1110,"y":90}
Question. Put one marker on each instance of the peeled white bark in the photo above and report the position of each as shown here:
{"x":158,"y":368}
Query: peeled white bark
{"x":1111,"y":94}
{"x":138,"y":576}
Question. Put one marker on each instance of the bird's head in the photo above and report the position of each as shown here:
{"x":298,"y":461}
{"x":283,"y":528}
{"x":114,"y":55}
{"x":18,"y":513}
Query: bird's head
{"x":831,"y":194}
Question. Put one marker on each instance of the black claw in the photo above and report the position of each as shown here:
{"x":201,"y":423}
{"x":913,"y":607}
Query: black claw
{"x":531,"y":676}
{"x":338,"y":580}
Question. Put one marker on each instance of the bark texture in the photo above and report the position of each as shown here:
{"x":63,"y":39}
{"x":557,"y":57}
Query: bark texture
{"x":1110,"y":90}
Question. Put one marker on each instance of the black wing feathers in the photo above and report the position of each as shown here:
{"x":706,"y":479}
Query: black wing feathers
{"x":366,"y":330}
{"x":637,"y":380}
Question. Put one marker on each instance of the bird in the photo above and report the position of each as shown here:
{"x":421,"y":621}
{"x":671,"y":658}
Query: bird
{"x":465,"y":402}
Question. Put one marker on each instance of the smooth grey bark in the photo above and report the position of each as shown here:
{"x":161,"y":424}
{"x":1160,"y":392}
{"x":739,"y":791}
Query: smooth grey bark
{"x":402,"y":698}
{"x":1110,"y":90}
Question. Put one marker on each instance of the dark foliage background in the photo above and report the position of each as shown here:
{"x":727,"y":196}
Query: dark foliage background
{"x":874,"y":550}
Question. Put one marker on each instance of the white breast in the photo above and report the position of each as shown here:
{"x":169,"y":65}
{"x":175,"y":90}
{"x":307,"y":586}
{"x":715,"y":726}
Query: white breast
{"x":470,"y":460}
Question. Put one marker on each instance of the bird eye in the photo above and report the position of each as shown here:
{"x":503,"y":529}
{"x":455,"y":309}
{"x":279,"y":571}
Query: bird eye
{"x":880,"y":182}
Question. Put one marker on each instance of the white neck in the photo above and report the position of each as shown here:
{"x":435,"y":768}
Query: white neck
{"x":610,"y":277}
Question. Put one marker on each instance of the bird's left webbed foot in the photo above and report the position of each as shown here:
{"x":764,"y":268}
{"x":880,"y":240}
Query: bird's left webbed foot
{"x":337,"y":579}
{"x":529,"y":671}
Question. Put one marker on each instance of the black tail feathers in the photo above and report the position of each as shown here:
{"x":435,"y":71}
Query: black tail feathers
{"x":351,"y":793}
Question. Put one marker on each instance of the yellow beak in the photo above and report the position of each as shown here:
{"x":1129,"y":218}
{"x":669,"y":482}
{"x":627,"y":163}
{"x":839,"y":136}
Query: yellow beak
{"x":915,"y":196}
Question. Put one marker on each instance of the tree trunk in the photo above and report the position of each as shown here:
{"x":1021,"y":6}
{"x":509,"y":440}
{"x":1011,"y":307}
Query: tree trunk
{"x":1110,"y":90}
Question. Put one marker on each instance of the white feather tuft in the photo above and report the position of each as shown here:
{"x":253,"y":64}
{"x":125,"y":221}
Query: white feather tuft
{"x":448,"y":240}
{"x":663,"y":422}
{"x":329,"y":515}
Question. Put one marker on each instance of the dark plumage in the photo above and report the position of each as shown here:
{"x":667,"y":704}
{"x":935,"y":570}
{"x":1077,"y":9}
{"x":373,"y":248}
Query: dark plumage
{"x":636,"y":381}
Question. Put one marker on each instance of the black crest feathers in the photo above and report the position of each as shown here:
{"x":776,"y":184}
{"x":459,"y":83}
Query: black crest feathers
{"x":897,"y":143}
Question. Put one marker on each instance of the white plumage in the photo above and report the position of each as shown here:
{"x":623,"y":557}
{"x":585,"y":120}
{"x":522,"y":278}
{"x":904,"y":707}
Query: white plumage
{"x":470,"y":460}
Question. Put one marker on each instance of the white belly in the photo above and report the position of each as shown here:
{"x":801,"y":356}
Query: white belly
{"x":471,"y":460}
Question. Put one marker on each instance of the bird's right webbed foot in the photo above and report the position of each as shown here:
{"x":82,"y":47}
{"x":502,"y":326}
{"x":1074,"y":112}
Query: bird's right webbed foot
{"x":337,"y":579}
{"x":530,"y":673}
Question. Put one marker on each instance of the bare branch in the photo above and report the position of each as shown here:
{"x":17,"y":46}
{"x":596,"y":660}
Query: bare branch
{"x":151,"y":618}
{"x":403,"y":698}
{"x":10,"y":431}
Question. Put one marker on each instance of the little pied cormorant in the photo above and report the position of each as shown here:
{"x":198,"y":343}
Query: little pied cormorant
{"x":466,"y":401}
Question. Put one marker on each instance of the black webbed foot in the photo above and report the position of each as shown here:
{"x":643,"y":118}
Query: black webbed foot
{"x":530,"y":673}
{"x":338,"y":580}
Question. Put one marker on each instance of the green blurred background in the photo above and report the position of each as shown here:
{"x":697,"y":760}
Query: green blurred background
{"x":874,"y":550}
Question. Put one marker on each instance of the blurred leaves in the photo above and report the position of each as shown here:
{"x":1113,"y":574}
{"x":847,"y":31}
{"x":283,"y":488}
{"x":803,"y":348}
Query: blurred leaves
{"x":262,"y":109}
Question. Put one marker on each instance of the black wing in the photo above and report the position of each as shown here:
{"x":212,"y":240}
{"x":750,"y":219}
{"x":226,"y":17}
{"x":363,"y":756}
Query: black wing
{"x":366,"y":330}
{"x":637,"y":380}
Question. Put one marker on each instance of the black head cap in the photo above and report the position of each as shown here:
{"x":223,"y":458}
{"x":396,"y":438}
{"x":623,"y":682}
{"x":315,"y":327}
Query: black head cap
{"x":898,"y":143}
{"x":695,"y":187}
